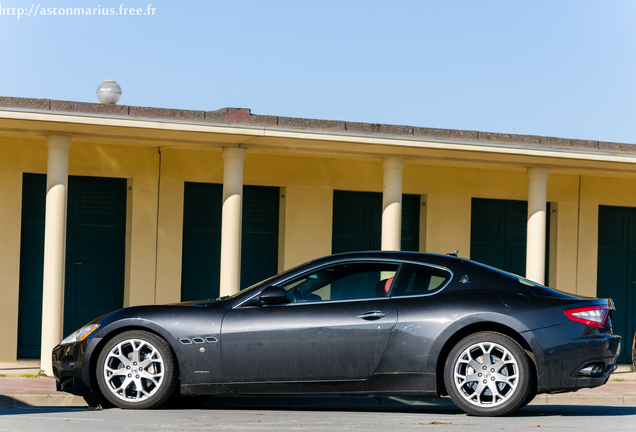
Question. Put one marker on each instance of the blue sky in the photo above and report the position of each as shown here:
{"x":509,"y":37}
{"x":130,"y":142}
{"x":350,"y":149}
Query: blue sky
{"x":557,"y":68}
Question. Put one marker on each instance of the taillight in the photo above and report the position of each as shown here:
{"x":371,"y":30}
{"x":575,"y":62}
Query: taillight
{"x":595,"y":316}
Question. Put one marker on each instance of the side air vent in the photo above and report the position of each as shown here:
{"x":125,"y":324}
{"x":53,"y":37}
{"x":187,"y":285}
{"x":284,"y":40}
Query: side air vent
{"x":211,"y":339}
{"x":198,"y":340}
{"x":185,"y":341}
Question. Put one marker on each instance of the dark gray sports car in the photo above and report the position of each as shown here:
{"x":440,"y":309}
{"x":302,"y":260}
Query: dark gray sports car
{"x":368,"y":323}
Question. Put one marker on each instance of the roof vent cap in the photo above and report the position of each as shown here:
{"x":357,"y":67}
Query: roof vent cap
{"x":109,"y":92}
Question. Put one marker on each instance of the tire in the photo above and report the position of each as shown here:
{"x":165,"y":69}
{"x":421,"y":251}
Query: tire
{"x":136,"y":370}
{"x":530,"y":398}
{"x":488,"y":374}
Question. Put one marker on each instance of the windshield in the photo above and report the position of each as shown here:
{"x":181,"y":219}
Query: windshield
{"x":261,"y":282}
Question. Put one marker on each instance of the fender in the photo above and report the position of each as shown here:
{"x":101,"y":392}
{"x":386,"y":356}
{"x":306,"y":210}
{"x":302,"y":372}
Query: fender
{"x":180,"y":323}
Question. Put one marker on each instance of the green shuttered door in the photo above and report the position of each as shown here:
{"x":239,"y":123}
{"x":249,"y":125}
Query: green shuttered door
{"x":357,"y":221}
{"x":201,"y":256}
{"x":95,"y":248}
{"x":95,"y":237}
{"x":498,"y":234}
{"x":259,"y":241}
{"x":31,"y":265}
{"x":616,"y":274}
{"x":202,"y":238}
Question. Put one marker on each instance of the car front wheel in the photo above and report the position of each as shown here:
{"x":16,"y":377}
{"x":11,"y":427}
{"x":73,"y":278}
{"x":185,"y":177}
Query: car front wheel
{"x":488,"y":374}
{"x":136,"y":370}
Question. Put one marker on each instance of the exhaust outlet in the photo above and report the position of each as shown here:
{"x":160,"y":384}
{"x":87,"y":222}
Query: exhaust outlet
{"x":593,"y":370}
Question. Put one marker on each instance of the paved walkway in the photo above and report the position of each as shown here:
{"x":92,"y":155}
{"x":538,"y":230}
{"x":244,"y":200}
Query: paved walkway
{"x":20,"y":391}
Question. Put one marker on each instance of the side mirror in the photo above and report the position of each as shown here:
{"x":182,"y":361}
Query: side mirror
{"x":273,"y":295}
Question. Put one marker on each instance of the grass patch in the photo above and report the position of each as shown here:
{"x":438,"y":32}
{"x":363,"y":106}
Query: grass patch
{"x":3,"y":375}
{"x":618,"y":380}
{"x":38,"y":375}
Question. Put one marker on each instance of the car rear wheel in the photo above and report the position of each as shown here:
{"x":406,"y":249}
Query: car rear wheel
{"x":488,"y":374}
{"x":136,"y":370}
{"x":530,"y":398}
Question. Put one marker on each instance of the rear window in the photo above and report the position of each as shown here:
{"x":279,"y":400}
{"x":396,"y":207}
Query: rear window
{"x":416,"y":279}
{"x":535,"y":288}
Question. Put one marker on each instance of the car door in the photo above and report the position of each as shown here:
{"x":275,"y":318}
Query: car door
{"x":336,"y":326}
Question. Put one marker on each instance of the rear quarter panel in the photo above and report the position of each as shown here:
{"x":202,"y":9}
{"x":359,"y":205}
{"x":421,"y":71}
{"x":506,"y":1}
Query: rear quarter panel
{"x":426,"y":324}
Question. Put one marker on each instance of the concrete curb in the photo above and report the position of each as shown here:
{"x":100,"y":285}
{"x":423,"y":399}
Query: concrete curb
{"x":584,"y":399}
{"x":41,"y":400}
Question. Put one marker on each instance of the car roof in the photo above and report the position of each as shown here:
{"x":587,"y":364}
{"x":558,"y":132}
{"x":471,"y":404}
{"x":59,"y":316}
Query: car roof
{"x":394,"y":255}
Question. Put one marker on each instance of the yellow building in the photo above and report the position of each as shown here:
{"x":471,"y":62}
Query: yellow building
{"x":104,"y":206}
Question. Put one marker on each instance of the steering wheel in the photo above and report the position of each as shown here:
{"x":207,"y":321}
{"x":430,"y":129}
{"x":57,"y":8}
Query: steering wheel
{"x":298,"y":296}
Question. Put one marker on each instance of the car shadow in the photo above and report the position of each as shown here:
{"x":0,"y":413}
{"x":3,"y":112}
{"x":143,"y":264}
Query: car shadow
{"x":328,"y":403}
{"x":575,"y":411}
{"x":398,"y":404}
{"x":10,"y":406}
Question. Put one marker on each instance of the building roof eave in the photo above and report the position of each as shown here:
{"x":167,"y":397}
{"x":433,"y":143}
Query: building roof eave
{"x":187,"y":131}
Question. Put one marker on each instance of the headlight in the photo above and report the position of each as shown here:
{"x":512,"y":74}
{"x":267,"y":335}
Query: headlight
{"x":80,"y":334}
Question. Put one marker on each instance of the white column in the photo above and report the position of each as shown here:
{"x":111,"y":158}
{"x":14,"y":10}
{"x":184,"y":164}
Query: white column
{"x":535,"y":249}
{"x":231,"y":220}
{"x":392,"y":203}
{"x":54,"y":246}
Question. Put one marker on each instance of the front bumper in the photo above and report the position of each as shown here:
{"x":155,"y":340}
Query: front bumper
{"x":71,"y":368}
{"x":562,"y":351}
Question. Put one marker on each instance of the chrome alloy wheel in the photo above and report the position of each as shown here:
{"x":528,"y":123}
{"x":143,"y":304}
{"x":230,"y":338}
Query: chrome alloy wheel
{"x":133,"y":370}
{"x":486,"y":374}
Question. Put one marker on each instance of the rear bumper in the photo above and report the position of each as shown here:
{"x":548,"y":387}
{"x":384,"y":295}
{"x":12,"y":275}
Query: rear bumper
{"x":563,"y":351}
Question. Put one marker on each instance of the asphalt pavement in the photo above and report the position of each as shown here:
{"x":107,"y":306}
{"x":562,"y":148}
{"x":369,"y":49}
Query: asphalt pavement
{"x":434,"y":417}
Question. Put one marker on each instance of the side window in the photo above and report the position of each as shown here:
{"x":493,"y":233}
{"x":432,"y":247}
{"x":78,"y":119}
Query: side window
{"x":346,"y":281}
{"x":416,"y":279}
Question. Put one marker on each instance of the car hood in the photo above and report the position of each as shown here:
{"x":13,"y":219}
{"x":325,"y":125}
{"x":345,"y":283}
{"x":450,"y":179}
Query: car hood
{"x":197,"y":303}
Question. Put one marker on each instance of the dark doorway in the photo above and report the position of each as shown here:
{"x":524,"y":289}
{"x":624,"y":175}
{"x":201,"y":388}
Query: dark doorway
{"x":498,"y":234}
{"x":201,"y":256}
{"x":201,"y":259}
{"x":95,"y":245}
{"x":259,"y":240}
{"x":31,"y":265}
{"x":95,"y":248}
{"x":357,"y":221}
{"x":616,"y":272}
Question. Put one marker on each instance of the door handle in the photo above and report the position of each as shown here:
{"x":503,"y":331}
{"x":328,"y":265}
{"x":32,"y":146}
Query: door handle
{"x":372,"y":315}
